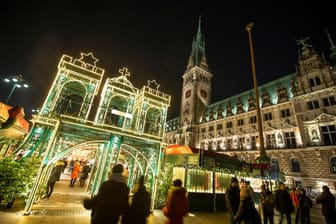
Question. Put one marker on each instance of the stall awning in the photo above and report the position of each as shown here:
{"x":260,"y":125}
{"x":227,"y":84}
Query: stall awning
{"x":178,"y":149}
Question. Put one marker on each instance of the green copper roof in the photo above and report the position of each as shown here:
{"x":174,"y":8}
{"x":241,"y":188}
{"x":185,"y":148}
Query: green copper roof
{"x":197,"y":55}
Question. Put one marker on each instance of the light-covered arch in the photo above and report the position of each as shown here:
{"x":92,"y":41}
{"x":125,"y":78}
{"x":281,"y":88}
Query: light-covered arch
{"x":153,"y":121}
{"x":71,"y":98}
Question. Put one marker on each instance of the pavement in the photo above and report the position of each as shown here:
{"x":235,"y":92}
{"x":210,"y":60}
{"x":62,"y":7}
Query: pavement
{"x":65,"y":207}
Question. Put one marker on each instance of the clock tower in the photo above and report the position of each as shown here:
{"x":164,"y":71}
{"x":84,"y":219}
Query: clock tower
{"x":196,"y":90}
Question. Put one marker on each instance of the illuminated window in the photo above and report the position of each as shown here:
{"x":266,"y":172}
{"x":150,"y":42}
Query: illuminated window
{"x":329,"y":134}
{"x":240,"y":122}
{"x":313,"y":104}
{"x":295,"y":165}
{"x":314,"y":81}
{"x":285,"y":113}
{"x":254,"y":140}
{"x":333,"y":165}
{"x":329,"y":101}
{"x":241,"y":143}
{"x":270,"y":141}
{"x":290,"y":139}
{"x":253,"y":120}
{"x":268,"y":116}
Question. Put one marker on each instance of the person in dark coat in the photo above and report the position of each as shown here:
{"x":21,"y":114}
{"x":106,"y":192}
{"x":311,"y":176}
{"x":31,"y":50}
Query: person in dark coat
{"x":283,"y":203}
{"x":85,"y":174}
{"x":140,"y":208}
{"x":327,"y":199}
{"x":112,"y":199}
{"x":54,"y":176}
{"x":267,"y":204}
{"x":305,"y":203}
{"x":232,"y":199}
{"x":247,"y":213}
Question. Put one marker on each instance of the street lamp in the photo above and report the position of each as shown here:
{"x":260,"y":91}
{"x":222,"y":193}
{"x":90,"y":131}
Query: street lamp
{"x":262,"y":157}
{"x":18,"y":82}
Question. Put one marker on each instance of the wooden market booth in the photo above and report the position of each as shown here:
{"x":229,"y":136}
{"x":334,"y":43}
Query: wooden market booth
{"x":207,"y":174}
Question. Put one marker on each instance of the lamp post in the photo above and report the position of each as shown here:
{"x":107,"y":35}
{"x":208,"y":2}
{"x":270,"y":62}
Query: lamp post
{"x":262,"y":157}
{"x":18,"y":82}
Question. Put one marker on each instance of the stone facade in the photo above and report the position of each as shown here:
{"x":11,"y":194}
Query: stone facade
{"x":298,"y":115}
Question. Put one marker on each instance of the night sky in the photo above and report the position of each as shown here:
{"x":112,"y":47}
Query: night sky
{"x":154,"y":42}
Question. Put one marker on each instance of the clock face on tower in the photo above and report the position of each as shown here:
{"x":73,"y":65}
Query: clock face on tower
{"x":204,"y":94}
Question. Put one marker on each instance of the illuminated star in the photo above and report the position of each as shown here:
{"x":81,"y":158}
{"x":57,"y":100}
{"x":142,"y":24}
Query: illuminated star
{"x":88,"y":58}
{"x":153,"y":84}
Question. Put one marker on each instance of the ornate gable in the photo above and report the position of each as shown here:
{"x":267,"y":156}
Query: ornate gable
{"x":322,"y":118}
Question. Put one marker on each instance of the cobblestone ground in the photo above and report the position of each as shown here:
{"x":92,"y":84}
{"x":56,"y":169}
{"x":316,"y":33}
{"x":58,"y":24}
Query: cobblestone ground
{"x":65,"y":207}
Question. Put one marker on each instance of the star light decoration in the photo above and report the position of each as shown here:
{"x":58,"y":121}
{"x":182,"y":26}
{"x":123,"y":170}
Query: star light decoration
{"x":153,"y":84}
{"x":88,"y":58}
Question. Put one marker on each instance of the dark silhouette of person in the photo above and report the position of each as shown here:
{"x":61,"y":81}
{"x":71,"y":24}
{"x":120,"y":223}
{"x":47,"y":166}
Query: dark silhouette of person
{"x":232,"y":199}
{"x":283,"y":203}
{"x":54,"y":176}
{"x":177,"y":203}
{"x":305,"y":203}
{"x":327,"y":199}
{"x":85,"y":174}
{"x":112,"y":199}
{"x":246,"y":213}
{"x":267,"y":204}
{"x":140,"y":207}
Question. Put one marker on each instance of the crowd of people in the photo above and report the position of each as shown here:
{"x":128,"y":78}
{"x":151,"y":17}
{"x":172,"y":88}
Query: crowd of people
{"x":112,"y":200}
{"x":241,"y":209}
{"x":76,"y":169}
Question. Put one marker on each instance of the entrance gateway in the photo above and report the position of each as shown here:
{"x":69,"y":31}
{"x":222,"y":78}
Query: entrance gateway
{"x":111,"y":117}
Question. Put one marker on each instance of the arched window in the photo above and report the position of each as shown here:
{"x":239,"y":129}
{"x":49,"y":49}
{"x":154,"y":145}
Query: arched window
{"x":275,"y":164}
{"x":295,"y":165}
{"x":333,"y":165}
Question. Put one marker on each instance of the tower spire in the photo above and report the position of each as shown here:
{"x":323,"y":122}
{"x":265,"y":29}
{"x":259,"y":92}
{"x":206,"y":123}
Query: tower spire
{"x":199,"y":32}
{"x":197,"y":56}
{"x":332,"y":47}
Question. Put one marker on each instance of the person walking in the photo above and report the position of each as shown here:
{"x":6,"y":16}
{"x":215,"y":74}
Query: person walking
{"x":294,"y":195}
{"x":283,"y":203}
{"x":54,"y":176}
{"x":247,"y":213}
{"x":140,"y":207}
{"x":111,"y":202}
{"x":85,"y":174}
{"x":305,"y":203}
{"x":327,"y":199}
{"x":74,"y":174}
{"x":267,"y":204}
{"x":177,"y":203}
{"x":232,"y":199}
